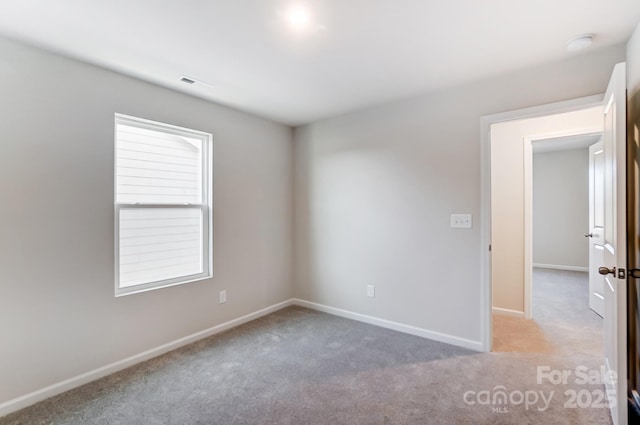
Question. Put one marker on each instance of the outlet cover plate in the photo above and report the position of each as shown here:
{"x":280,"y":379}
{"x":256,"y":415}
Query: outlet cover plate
{"x":461,"y":221}
{"x":371,"y":291}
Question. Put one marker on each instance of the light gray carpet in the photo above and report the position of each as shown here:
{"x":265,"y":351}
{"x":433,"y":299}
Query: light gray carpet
{"x":561,"y":309}
{"x":562,"y":322}
{"x":299,"y":366}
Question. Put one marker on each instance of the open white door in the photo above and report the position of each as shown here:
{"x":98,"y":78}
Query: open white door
{"x":596,"y":227}
{"x":615,"y":245}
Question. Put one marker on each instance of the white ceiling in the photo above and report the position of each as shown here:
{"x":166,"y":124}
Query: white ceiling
{"x":355,"y":53}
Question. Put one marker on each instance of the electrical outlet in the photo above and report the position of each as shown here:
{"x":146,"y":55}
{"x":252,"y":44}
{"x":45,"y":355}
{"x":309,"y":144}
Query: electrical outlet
{"x":371,"y":291}
{"x":461,"y":221}
{"x":223,"y":296}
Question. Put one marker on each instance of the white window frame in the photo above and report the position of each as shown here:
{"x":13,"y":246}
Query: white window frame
{"x":204,"y":206}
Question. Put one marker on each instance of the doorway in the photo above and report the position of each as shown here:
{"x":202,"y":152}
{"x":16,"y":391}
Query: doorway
{"x":556,"y":193}
{"x":564,"y":209}
{"x":615,"y":266}
{"x":504,"y":250}
{"x":512,"y":199}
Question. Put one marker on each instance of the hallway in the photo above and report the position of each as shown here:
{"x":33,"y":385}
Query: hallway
{"x":562,"y":322}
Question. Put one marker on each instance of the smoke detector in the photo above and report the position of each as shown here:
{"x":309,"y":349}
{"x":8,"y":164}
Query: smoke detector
{"x":580,"y":42}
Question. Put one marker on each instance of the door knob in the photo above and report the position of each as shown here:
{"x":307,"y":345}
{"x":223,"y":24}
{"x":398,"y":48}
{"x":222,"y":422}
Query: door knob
{"x":605,"y":271}
{"x":588,"y":235}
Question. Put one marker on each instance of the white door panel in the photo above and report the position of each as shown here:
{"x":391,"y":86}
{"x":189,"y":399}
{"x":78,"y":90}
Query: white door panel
{"x":596,"y":226}
{"x":614,"y":253}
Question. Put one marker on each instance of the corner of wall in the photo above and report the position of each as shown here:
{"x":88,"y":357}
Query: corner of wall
{"x":633,"y":62}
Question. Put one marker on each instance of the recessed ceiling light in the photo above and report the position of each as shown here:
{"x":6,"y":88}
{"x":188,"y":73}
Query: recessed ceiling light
{"x":580,"y":42}
{"x":298,"y":17}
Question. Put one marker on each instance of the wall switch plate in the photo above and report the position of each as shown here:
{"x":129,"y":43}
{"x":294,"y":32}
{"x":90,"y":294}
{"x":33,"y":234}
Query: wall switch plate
{"x":461,"y":221}
{"x":223,"y":296}
{"x":371,"y":291}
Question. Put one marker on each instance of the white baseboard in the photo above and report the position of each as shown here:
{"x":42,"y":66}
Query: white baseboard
{"x":400,"y":327}
{"x":507,"y":312}
{"x":60,"y":387}
{"x":560,"y":267}
{"x":76,"y":381}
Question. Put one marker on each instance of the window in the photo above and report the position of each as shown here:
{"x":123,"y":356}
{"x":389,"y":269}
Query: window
{"x":162,"y":205}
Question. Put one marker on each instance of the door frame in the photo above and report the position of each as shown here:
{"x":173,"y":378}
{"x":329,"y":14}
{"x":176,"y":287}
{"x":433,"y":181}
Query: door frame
{"x":485,"y":192}
{"x":528,"y":206}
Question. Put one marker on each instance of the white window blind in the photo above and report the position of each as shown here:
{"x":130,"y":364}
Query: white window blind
{"x":162,"y":205}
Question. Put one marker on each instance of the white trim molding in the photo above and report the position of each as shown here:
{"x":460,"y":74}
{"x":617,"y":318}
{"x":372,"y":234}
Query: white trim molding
{"x":76,"y":381}
{"x":68,"y":384}
{"x":561,"y":267}
{"x":507,"y":312}
{"x":400,"y":327}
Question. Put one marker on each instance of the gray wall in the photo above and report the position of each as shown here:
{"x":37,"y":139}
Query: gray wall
{"x":373,"y":194}
{"x":374,"y":191}
{"x":561,"y":208}
{"x":58,"y":314}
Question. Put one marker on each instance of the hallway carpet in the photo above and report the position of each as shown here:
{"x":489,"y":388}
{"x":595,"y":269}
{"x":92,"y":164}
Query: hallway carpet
{"x":562,"y":322}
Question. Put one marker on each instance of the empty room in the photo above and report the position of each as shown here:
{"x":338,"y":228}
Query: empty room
{"x":319,"y":212}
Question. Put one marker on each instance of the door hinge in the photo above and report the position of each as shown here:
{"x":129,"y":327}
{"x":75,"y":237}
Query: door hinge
{"x":489,"y":247}
{"x":635,"y":273}
{"x":621,"y":273}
